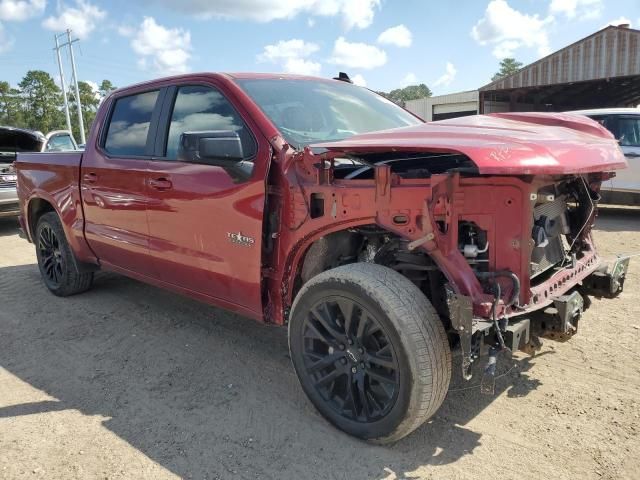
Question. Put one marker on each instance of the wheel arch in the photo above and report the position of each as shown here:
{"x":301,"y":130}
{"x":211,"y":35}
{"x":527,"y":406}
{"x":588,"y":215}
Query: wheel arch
{"x":37,"y":207}
{"x":40,"y":204}
{"x":321,"y":251}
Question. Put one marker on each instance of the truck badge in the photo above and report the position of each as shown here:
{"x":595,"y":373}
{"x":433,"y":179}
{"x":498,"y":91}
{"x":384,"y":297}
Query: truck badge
{"x":240,"y":239}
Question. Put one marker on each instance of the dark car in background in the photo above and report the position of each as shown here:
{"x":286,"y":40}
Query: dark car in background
{"x":14,"y":140}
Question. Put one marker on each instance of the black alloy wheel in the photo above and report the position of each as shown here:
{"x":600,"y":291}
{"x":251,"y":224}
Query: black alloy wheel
{"x":51,"y":257}
{"x":350,"y":359}
{"x":370,"y":351}
{"x":56,"y":261}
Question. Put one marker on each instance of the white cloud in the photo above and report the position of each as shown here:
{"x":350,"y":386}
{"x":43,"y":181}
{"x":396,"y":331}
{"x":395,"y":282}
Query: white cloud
{"x":357,"y":13}
{"x":581,"y":9}
{"x":287,"y":49}
{"x":409,"y":79}
{"x":357,"y":55}
{"x":359,"y":80}
{"x":508,"y":29}
{"x":125,"y":30}
{"x":166,"y":50}
{"x":447,"y":77}
{"x":81,"y":19}
{"x":93,"y":85}
{"x":311,"y":22}
{"x":618,"y":21}
{"x":292,"y":55}
{"x":354,"y":13}
{"x":19,"y":10}
{"x":302,"y":67}
{"x":400,"y":36}
{"x":6,"y":42}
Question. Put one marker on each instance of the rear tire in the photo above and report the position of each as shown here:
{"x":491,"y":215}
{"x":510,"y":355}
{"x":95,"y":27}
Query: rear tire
{"x":370,"y":351}
{"x":56,"y":262}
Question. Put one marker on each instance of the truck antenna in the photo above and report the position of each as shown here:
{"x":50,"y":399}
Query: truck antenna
{"x":343,"y":77}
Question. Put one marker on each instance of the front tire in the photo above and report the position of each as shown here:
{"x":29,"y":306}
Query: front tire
{"x":370,"y":351}
{"x":55,"y":259}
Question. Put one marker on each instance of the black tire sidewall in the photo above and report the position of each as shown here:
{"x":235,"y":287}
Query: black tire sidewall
{"x":52,"y":221}
{"x":334,"y":288}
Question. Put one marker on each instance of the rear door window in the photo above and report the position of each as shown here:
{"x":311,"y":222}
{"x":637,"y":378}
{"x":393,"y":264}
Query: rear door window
{"x":129,"y":124}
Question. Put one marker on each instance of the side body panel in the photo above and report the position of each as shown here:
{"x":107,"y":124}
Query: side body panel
{"x":114,"y":194}
{"x":194,"y":230}
{"x":205,"y":228}
{"x":54,"y":178}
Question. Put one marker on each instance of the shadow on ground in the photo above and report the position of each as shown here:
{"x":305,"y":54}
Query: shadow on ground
{"x":9,"y":226}
{"x":200,"y":391}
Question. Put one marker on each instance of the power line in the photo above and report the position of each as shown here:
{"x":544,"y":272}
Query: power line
{"x":70,"y":43}
{"x":64,"y":88}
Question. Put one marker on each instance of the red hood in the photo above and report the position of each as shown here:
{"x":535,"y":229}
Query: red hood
{"x":504,"y":143}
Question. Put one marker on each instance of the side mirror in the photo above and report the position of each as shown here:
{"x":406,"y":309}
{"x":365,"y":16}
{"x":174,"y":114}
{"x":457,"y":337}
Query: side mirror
{"x":222,"y":148}
{"x":214,"y":147}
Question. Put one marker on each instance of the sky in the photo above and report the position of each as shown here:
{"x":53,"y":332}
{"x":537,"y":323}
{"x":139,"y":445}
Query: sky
{"x":383,"y":44}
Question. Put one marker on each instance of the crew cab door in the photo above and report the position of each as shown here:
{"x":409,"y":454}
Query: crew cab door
{"x":113,"y":179}
{"x":205,"y":225}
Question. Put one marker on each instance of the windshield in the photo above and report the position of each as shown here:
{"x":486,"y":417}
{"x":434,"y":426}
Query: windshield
{"x":311,"y":111}
{"x":626,"y":128}
{"x":628,"y":131}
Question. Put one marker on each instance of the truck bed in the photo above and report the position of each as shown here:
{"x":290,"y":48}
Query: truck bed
{"x":54,"y":178}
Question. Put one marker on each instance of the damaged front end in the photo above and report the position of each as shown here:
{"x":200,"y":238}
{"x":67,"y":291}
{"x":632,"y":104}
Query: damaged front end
{"x":503,"y":259}
{"x":562,"y":269}
{"x":490,"y":216}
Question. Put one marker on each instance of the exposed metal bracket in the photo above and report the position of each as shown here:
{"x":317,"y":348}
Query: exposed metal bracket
{"x":461,"y":314}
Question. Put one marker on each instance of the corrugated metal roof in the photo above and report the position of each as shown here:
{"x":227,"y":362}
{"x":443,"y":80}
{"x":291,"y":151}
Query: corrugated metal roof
{"x":611,"y":52}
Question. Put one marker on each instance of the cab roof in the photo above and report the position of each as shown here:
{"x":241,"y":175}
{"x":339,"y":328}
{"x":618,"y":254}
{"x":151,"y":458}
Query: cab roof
{"x":226,"y":76}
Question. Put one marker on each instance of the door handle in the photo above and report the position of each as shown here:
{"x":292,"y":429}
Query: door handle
{"x":90,"y":177}
{"x":160,"y":183}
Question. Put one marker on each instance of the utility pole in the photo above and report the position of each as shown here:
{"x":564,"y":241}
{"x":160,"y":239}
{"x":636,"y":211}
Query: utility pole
{"x":64,"y":87}
{"x":75,"y":81}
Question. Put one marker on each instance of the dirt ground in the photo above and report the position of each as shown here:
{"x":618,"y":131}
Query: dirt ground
{"x":128,"y":381}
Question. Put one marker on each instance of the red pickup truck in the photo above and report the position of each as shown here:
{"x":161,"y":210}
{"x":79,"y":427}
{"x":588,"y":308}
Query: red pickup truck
{"x":381,"y":241}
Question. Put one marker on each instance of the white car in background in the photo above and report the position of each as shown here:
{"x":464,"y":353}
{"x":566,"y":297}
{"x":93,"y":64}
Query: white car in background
{"x":624,"y":123}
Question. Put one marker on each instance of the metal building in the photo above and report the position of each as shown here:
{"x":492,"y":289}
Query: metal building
{"x":601,"y":70}
{"x":445,"y":106}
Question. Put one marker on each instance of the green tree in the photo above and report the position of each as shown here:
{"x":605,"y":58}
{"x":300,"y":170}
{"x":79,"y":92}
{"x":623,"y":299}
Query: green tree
{"x":89,"y":101}
{"x":106,"y":87}
{"x":508,"y":66}
{"x":5,"y":88}
{"x":41,"y":99}
{"x":11,"y":113}
{"x":412,"y":92}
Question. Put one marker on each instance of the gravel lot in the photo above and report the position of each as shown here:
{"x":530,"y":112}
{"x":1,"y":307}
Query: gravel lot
{"x":129,"y":381}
